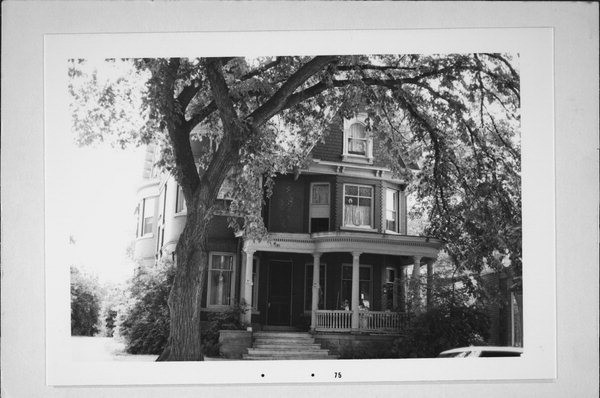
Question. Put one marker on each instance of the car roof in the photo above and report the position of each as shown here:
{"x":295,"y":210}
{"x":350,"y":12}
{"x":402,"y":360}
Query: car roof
{"x":484,"y":348}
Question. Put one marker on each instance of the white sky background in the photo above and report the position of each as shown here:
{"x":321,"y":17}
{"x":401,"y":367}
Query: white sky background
{"x":99,"y":205}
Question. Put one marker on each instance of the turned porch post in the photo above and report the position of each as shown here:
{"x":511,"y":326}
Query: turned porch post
{"x":248,"y":286}
{"x":429,"y":284}
{"x":355,"y":290}
{"x":416,"y":283}
{"x":315,"y":290}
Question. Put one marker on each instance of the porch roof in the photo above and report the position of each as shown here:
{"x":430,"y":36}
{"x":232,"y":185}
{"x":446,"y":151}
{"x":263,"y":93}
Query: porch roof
{"x":328,"y":242}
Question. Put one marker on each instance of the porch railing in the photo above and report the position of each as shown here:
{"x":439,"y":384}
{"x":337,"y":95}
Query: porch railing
{"x":334,"y":321}
{"x":368,"y":321}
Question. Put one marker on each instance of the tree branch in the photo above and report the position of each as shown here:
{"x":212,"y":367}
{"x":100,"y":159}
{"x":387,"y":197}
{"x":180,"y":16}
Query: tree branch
{"x":278,"y":100}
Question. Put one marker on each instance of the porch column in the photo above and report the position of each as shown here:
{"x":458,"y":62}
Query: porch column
{"x":248,"y":286}
{"x":429,"y":284}
{"x":355,"y":292}
{"x":400,"y":289}
{"x":315,"y":289}
{"x":415,"y":282}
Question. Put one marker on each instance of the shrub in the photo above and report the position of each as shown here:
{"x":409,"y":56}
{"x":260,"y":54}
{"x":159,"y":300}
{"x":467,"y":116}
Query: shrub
{"x":85,"y":304}
{"x":229,"y":319}
{"x":452,"y":322}
{"x":145,"y":326}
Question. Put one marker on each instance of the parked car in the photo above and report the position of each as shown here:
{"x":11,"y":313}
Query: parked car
{"x":482,"y":352}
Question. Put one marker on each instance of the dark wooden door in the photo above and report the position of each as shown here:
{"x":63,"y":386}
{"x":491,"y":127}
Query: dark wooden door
{"x":280,"y":293}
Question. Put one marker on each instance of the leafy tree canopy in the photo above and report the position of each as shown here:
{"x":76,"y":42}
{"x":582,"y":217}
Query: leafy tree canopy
{"x":456,"y":116}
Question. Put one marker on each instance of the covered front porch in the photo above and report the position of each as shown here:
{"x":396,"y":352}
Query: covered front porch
{"x":337,"y":281}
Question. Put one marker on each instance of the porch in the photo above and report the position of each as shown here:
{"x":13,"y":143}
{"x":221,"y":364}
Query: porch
{"x":337,"y":282}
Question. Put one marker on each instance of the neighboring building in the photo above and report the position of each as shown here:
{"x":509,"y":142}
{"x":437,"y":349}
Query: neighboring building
{"x":338,"y":252}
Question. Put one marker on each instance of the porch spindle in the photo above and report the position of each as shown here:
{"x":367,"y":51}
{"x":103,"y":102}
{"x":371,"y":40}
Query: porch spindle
{"x":248,"y":287}
{"x":355,"y":289}
{"x":315,"y":289}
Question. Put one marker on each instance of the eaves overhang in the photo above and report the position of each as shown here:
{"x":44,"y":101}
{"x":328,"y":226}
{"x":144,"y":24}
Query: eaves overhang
{"x":330,"y":242}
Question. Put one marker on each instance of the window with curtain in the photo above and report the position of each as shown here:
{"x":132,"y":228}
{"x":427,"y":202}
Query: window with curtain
{"x":148,"y":216}
{"x":357,"y":140}
{"x":220,"y":280}
{"x":391,"y":210}
{"x":364,"y":286}
{"x":358,"y":202}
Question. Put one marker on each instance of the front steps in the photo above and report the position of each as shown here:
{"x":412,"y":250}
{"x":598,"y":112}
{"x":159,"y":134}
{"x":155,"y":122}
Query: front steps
{"x":285,"y":345}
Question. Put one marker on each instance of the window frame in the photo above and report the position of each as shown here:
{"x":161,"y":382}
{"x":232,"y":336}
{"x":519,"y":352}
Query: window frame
{"x":232,"y":282}
{"x":354,"y":157}
{"x":371,"y":226}
{"x":396,"y":210}
{"x":143,"y":218}
{"x":311,"y":204}
{"x":179,"y":194}
{"x":359,"y":280}
{"x":324,"y":274}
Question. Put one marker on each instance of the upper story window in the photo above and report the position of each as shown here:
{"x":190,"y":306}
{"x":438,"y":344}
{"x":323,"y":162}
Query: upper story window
{"x":147,"y":216}
{"x":358,"y":143}
{"x":391,"y":210}
{"x":319,"y":207}
{"x":220,"y":279}
{"x":358,"y":206}
{"x":180,"y":205}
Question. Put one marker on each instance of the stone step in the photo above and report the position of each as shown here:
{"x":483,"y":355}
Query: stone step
{"x":285,"y":341}
{"x":279,"y":335}
{"x":284,"y":346}
{"x":269,"y":352}
{"x":288,"y":357}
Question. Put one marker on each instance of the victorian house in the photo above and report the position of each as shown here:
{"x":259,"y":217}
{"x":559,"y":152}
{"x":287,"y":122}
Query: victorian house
{"x":338,"y":258}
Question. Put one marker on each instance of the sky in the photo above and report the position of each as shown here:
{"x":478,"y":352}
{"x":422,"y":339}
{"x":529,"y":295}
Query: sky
{"x":99,"y":208}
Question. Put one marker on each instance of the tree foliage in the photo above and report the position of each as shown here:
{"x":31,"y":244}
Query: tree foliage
{"x":456,"y":116}
{"x":86,"y":298}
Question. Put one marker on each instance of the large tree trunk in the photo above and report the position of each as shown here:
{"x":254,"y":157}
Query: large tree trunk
{"x":186,"y":294}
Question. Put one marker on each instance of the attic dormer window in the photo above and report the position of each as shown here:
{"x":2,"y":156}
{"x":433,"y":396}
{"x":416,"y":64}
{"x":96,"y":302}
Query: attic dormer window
{"x":358,"y":143}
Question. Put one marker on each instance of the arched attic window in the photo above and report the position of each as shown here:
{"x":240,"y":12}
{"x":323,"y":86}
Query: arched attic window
{"x":358,"y":143}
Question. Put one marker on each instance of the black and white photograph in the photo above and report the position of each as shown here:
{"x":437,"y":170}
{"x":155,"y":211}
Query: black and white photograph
{"x":298,"y":198}
{"x":296,"y":207}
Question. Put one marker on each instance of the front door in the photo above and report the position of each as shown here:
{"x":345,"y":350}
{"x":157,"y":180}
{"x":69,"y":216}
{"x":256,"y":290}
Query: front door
{"x":280,"y":293}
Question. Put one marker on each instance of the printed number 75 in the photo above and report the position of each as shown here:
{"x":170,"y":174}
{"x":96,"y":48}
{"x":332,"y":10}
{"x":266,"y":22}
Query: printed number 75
{"x":337,"y":375}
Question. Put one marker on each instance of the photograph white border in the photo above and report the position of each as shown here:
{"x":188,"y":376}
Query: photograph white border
{"x":575,"y":32}
{"x":534,"y":47}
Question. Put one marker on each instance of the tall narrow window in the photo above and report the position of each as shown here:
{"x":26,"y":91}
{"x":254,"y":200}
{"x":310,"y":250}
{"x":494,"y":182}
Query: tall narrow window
{"x":308,"y":282}
{"x":180,"y":205}
{"x":148,"y":216}
{"x":358,"y":206}
{"x":220,"y":279}
{"x":391,"y":210}
{"x":357,"y":140}
{"x":364,"y":287}
{"x":319,"y":207}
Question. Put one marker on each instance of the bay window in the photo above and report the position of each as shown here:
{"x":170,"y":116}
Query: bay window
{"x":358,"y":206}
{"x":221,"y":267}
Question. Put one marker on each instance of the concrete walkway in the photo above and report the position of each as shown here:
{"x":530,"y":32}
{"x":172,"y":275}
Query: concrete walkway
{"x":103,"y":349}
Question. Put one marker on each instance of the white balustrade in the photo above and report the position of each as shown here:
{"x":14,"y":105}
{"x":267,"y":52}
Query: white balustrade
{"x":369,"y":321}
